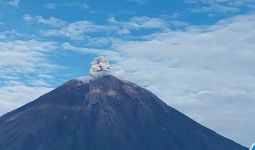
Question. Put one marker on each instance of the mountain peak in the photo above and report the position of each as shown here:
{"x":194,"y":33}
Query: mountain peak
{"x":104,"y":80}
{"x":108,"y":81}
{"x":109,"y":78}
{"x":78,"y":81}
{"x":104,"y":113}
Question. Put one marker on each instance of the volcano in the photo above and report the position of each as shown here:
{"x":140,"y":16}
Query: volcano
{"x":104,"y":114}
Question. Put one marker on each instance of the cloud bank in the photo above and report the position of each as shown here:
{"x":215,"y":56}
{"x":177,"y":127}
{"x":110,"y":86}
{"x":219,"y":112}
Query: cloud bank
{"x":18,"y":95}
{"x":207,"y":72}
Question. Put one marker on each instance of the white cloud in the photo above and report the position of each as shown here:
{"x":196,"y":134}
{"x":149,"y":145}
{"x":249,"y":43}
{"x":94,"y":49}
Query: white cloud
{"x":207,"y":72}
{"x":51,"y":6}
{"x":27,"y":17}
{"x":51,"y":21}
{"x":139,"y":1}
{"x":84,"y":50}
{"x":14,"y":2}
{"x":81,"y":30}
{"x":26,"y":59}
{"x":138,"y":23}
{"x":81,"y":6}
{"x":16,"y":94}
{"x":214,"y":7}
{"x":9,"y":34}
{"x":85,"y":30}
{"x":76,"y":30}
{"x":146,"y":22}
{"x":24,"y":53}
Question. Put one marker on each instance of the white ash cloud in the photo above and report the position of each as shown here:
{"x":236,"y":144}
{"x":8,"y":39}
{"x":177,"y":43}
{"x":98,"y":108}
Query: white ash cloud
{"x":99,"y":65}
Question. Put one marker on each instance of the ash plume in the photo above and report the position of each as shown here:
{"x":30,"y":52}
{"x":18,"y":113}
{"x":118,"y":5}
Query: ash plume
{"x":99,"y":66}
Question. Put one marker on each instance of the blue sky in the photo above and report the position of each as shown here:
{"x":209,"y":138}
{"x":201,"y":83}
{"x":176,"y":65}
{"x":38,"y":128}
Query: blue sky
{"x":196,"y":55}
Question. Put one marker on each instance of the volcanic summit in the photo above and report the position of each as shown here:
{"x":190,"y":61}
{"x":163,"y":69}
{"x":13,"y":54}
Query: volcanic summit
{"x":104,"y":114}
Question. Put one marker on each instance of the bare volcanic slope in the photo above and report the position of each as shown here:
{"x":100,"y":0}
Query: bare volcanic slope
{"x":104,"y":114}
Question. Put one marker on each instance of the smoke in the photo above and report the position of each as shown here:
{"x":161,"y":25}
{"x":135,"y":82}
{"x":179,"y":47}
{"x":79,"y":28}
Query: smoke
{"x":99,"y":66}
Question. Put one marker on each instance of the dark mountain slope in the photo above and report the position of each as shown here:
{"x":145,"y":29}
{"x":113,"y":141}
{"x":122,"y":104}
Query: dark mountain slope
{"x":104,"y":114}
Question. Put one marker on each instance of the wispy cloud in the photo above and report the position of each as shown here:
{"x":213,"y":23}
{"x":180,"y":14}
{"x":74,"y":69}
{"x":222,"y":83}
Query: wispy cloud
{"x":137,"y":23}
{"x":25,"y":53}
{"x":144,"y":23}
{"x":214,"y":7}
{"x":68,"y":46}
{"x":82,"y":6}
{"x":51,"y":21}
{"x":9,"y":34}
{"x":26,"y":59}
{"x":139,"y":1}
{"x":13,"y":2}
{"x":85,"y":29}
{"x":77,"y":30}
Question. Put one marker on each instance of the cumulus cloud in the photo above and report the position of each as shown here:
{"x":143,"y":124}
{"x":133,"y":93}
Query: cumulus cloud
{"x":206,"y":72}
